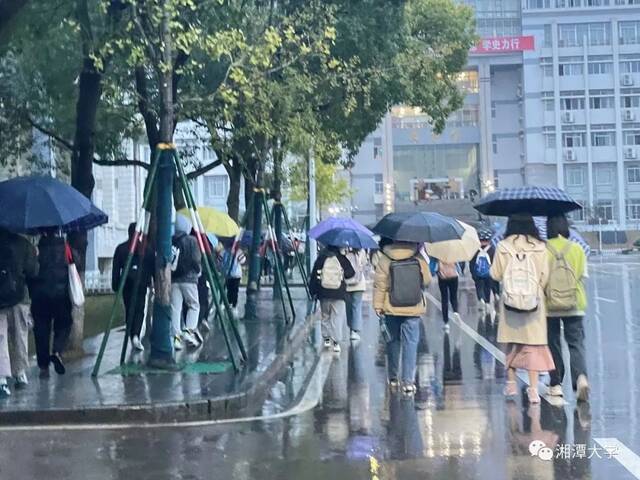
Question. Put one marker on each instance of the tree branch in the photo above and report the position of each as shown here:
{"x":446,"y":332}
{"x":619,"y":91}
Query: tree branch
{"x":204,"y":169}
{"x":65,"y":143}
{"x":123,"y":162}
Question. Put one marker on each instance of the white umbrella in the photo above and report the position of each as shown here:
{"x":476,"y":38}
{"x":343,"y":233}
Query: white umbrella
{"x":457,"y":250}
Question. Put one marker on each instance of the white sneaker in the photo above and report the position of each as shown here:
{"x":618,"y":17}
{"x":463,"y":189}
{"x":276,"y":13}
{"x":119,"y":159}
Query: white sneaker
{"x":446,"y":328}
{"x":355,"y":336}
{"x":456,"y":316}
{"x":177,"y":343}
{"x":482,"y":305}
{"x":582,"y":389}
{"x":190,"y":338}
{"x":235,"y":312}
{"x":556,"y":391}
{"x":137,"y":344}
{"x":336,"y":347}
{"x":328,"y":343}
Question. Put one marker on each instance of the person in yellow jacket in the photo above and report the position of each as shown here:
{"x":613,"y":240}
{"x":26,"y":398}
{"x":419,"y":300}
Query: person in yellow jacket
{"x":399,"y":299}
{"x":572,"y":320}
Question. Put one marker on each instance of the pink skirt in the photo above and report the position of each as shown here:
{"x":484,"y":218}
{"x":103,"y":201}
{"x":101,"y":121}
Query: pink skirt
{"x":530,"y":357}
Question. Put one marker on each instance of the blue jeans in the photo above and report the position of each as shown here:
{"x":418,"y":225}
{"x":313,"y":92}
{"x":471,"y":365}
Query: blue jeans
{"x":353,"y":305}
{"x":405,"y":335}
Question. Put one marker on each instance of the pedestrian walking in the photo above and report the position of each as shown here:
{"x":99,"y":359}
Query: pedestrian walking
{"x":566,"y":305}
{"x":138,"y":281}
{"x":18,"y":265}
{"x":184,"y":286}
{"x":521,"y":264}
{"x":401,"y":275}
{"x":233,"y":259}
{"x":356,"y":287}
{"x":327,"y":284}
{"x":448,"y":274}
{"x":51,"y":303}
{"x":480,"y":266}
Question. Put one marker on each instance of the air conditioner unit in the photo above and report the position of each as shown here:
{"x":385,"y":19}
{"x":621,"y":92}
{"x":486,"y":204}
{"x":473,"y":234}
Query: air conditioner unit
{"x":567,"y":117}
{"x":630,"y":153}
{"x":570,"y":155}
{"x":627,"y":80}
{"x":628,"y":116}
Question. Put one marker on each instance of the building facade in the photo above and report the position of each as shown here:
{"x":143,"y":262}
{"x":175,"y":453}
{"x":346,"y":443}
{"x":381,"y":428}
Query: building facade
{"x":553,"y":98}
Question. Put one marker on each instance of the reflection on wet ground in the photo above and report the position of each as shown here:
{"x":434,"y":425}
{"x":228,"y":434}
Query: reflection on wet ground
{"x":458,"y":426}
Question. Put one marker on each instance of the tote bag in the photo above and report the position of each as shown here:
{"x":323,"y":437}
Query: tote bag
{"x":76,"y":291}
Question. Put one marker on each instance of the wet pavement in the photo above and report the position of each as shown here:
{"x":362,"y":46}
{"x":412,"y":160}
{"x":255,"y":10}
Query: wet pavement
{"x":458,"y":426}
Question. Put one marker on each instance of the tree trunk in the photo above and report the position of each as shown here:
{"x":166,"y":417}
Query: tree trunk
{"x":161,"y":345}
{"x":89,"y":94}
{"x":233,"y":199}
{"x":276,"y":194}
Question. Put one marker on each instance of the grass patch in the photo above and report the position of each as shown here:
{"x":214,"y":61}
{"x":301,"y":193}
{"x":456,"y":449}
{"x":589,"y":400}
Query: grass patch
{"x":97,"y":312}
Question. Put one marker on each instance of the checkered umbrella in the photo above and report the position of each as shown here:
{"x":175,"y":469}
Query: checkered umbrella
{"x":541,"y":225}
{"x":536,"y":201}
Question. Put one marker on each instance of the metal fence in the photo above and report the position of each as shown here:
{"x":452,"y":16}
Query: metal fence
{"x":96,"y":282}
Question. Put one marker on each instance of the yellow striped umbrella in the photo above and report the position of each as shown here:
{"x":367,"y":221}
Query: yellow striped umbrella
{"x":214,"y":221}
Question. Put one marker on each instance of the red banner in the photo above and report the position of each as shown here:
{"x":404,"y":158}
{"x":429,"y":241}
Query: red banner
{"x":504,"y":44}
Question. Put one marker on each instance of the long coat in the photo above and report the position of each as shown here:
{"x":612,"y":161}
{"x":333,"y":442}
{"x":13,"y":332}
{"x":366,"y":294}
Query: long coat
{"x":525,"y":328}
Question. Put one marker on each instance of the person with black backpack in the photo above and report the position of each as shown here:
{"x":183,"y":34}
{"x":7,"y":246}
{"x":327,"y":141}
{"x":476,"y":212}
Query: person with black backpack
{"x":141,"y":271}
{"x":18,"y":264}
{"x":401,"y":275}
{"x":51,"y":303}
{"x":327,"y":284}
{"x":184,"y":286}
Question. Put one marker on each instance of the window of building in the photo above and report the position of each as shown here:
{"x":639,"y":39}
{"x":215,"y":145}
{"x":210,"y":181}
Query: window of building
{"x":604,"y":209}
{"x":600,"y":68}
{"x":573,"y":139}
{"x":379,"y":184}
{"x":573,"y":34}
{"x":603,"y":139}
{"x":575,"y":176}
{"x":494,"y":143}
{"x":631,"y":137}
{"x":547,"y":36}
{"x":577,"y":215}
{"x":630,"y":101}
{"x":468,"y":81}
{"x":633,"y":174}
{"x":627,"y":2}
{"x":550,"y":140}
{"x":538,"y":4}
{"x":604,"y":175}
{"x":549,"y":104}
{"x":572,"y":104}
{"x":215,"y":186}
{"x":598,"y":103}
{"x":568,"y":69}
{"x":633,"y":209}
{"x":629,"y":33}
{"x":630,"y":66}
{"x":493,"y":109}
{"x":209,"y":154}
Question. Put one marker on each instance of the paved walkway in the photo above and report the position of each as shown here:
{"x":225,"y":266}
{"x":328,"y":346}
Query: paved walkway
{"x":207,"y":387}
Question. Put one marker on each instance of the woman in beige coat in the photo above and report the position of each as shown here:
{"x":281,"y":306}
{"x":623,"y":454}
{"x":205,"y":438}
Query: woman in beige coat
{"x":524,"y":333}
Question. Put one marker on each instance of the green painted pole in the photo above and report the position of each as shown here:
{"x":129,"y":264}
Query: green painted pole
{"x":299,"y":263}
{"x":127,"y":266}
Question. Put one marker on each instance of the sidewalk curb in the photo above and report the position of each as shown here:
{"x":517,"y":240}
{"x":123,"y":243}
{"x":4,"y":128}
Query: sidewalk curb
{"x":216,"y":408}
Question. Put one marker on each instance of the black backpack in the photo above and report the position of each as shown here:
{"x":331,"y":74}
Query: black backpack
{"x":185,"y":261}
{"x":405,"y":283}
{"x":11,"y":283}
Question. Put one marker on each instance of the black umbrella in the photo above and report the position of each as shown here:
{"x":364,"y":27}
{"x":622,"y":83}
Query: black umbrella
{"x":536,"y":201}
{"x":419,"y":227}
{"x":33,"y":204}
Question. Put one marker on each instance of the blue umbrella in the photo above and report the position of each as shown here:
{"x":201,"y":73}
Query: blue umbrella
{"x":337,"y":222}
{"x":536,"y":201}
{"x":33,"y":204}
{"x":541,"y":225}
{"x":346,"y":237}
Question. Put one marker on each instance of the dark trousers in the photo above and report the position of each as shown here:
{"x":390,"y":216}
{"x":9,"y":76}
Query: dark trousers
{"x":45,"y":313}
{"x":574,"y":335}
{"x":203,"y":299}
{"x":448,"y":294}
{"x":134,"y":308}
{"x":483,"y":289}
{"x":233,"y":286}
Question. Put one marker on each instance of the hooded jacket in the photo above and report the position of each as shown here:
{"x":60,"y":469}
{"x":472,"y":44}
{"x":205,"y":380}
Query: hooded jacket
{"x":382,"y":283}
{"x":315,"y":285}
{"x":23,"y":255}
{"x":190,"y":259}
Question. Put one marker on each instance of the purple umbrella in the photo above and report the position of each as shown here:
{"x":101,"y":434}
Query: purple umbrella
{"x":332,"y":223}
